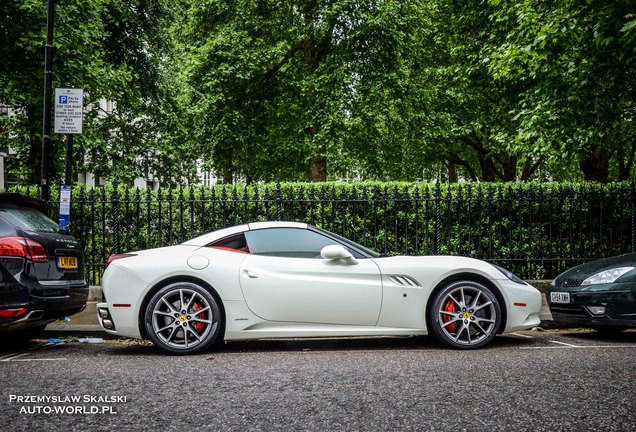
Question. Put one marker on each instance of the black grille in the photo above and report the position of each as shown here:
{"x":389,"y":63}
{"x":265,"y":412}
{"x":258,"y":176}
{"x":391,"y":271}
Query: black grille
{"x":569,"y":282}
{"x":568,"y":310}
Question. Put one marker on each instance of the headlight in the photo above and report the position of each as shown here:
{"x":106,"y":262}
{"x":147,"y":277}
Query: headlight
{"x":510,"y":275}
{"x":607,"y":276}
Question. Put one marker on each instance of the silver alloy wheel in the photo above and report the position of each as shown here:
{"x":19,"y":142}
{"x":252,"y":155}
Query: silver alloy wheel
{"x":183,"y":318}
{"x":467,"y":315}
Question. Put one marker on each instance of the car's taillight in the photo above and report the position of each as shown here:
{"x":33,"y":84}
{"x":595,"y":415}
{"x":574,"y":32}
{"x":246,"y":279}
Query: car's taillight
{"x":118,"y":256}
{"x":12,"y":313}
{"x":23,"y":247}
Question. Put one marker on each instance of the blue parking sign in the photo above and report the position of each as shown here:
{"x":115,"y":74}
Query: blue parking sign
{"x":63,"y":100}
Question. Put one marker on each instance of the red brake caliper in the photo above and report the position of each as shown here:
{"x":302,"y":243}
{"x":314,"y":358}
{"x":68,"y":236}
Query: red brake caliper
{"x":449,"y":307}
{"x":199,"y":326}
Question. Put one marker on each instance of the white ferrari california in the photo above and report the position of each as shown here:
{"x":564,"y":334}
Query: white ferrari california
{"x":293,"y":280}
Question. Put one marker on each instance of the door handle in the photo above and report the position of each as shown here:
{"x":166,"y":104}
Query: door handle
{"x":250,"y":274}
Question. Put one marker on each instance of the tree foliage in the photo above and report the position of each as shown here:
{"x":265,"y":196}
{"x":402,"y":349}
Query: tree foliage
{"x":115,"y":50}
{"x":488,"y":90}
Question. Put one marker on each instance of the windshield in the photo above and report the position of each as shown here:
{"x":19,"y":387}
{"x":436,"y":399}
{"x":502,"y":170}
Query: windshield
{"x":351,"y":243}
{"x":28,"y":219}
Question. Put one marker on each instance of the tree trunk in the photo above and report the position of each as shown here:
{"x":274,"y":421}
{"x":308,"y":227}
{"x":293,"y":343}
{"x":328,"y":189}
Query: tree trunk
{"x":452,"y":173}
{"x":319,"y":165}
{"x":595,"y":164}
{"x":510,"y":169}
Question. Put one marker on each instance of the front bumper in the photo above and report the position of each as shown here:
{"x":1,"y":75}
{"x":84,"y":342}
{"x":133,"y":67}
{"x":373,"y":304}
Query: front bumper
{"x":618,"y":299}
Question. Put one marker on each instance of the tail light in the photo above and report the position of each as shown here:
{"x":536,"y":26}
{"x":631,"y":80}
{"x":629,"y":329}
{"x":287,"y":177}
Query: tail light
{"x":23,"y":247}
{"x":118,"y":256}
{"x":12,"y":313}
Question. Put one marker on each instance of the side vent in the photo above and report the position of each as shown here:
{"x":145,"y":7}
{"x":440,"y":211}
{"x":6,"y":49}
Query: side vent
{"x":403,"y":280}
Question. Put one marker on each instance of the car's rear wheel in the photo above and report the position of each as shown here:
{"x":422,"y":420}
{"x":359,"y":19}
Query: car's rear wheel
{"x":183,"y":318}
{"x":465,"y":315}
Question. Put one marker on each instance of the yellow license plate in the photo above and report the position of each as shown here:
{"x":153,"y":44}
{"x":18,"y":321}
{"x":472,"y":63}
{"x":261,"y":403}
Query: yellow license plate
{"x":67,"y":262}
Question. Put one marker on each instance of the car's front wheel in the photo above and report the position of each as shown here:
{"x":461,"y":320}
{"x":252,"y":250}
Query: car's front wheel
{"x":465,"y":314}
{"x":183,"y":318}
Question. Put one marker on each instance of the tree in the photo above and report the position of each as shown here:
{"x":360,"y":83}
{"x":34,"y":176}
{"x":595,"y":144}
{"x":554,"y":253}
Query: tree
{"x":575,"y":61}
{"x":284,"y":90}
{"x":114,"y":50}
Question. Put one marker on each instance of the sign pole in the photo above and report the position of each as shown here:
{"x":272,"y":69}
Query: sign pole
{"x":46,"y":129}
{"x":68,"y":173}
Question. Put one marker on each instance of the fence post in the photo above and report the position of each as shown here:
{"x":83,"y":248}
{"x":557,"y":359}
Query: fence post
{"x":115,"y":203}
{"x":632,"y":201}
{"x":279,"y":200}
{"x":438,"y":218}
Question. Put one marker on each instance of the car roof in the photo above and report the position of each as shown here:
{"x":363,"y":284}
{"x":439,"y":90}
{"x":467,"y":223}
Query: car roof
{"x":22,"y":200}
{"x":210,"y":237}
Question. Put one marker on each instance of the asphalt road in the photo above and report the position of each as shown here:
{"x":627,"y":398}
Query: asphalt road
{"x":535,"y":381}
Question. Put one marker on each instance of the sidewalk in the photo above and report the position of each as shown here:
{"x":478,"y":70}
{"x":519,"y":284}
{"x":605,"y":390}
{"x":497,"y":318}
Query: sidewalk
{"x":86,"y":321}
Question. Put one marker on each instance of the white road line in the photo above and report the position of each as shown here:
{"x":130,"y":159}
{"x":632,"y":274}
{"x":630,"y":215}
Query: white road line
{"x":8,"y":355}
{"x":578,"y":347}
{"x":566,"y":344}
{"x":39,"y":359}
{"x":13,"y":357}
{"x":522,"y":335}
{"x":42,"y":346}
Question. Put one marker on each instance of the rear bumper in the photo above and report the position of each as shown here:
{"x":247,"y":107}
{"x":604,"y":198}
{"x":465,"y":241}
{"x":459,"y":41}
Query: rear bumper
{"x":44,"y":305}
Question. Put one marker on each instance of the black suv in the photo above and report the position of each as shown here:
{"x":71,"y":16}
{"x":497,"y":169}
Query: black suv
{"x":41,"y":268}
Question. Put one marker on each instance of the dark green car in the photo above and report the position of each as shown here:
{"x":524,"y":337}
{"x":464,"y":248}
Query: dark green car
{"x":600,"y":294}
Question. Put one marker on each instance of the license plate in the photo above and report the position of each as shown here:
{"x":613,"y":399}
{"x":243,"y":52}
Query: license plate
{"x":68,"y":263}
{"x":560,"y":297}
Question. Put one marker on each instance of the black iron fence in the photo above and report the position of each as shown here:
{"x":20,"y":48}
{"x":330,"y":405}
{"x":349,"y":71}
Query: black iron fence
{"x":536,"y":230}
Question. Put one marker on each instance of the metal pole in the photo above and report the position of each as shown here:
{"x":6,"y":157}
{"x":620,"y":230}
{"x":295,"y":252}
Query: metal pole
{"x":68,"y":173}
{"x":46,"y":132}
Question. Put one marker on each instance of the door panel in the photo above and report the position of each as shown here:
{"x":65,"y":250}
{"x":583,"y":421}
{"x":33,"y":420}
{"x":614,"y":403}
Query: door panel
{"x":312,"y":290}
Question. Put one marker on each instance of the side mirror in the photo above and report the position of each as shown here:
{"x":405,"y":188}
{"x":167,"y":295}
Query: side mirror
{"x":336,"y":252}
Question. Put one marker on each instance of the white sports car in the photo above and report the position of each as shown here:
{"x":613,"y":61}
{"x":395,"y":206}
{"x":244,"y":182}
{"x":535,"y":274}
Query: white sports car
{"x":291,"y":280}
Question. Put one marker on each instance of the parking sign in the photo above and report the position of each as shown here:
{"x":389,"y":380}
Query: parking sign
{"x":69,"y":110}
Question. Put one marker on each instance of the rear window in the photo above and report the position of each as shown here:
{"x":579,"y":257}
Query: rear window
{"x":28,"y":219}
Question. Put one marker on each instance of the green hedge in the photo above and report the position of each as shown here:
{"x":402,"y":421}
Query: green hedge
{"x":537,"y":230}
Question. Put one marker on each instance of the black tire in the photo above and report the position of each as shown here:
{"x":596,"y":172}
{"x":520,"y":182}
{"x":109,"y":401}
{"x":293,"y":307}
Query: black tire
{"x":609,"y":330}
{"x":183,"y":318}
{"x":22,"y":336}
{"x":465,"y":315}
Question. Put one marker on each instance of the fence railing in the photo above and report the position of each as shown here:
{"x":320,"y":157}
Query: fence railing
{"x":535,"y":230}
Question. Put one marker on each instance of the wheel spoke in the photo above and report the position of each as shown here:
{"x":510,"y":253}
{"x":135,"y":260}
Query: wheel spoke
{"x":450,"y":322}
{"x":187,"y":307}
{"x":196,"y":335}
{"x":195,"y":313}
{"x":475,"y":300}
{"x":172,"y":333}
{"x":450,"y":296}
{"x":158,"y":312}
{"x":166,"y":327}
{"x":480,"y":327}
{"x":167,"y":303}
{"x":459,"y":333}
{"x":181,"y":300}
{"x":481,"y":306}
{"x":200,"y":320}
{"x":463,"y":296}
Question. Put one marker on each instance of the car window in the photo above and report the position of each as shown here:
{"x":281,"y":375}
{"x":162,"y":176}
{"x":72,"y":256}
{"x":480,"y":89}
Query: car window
{"x":28,"y":219}
{"x":287,"y":242}
{"x":235,"y":243}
